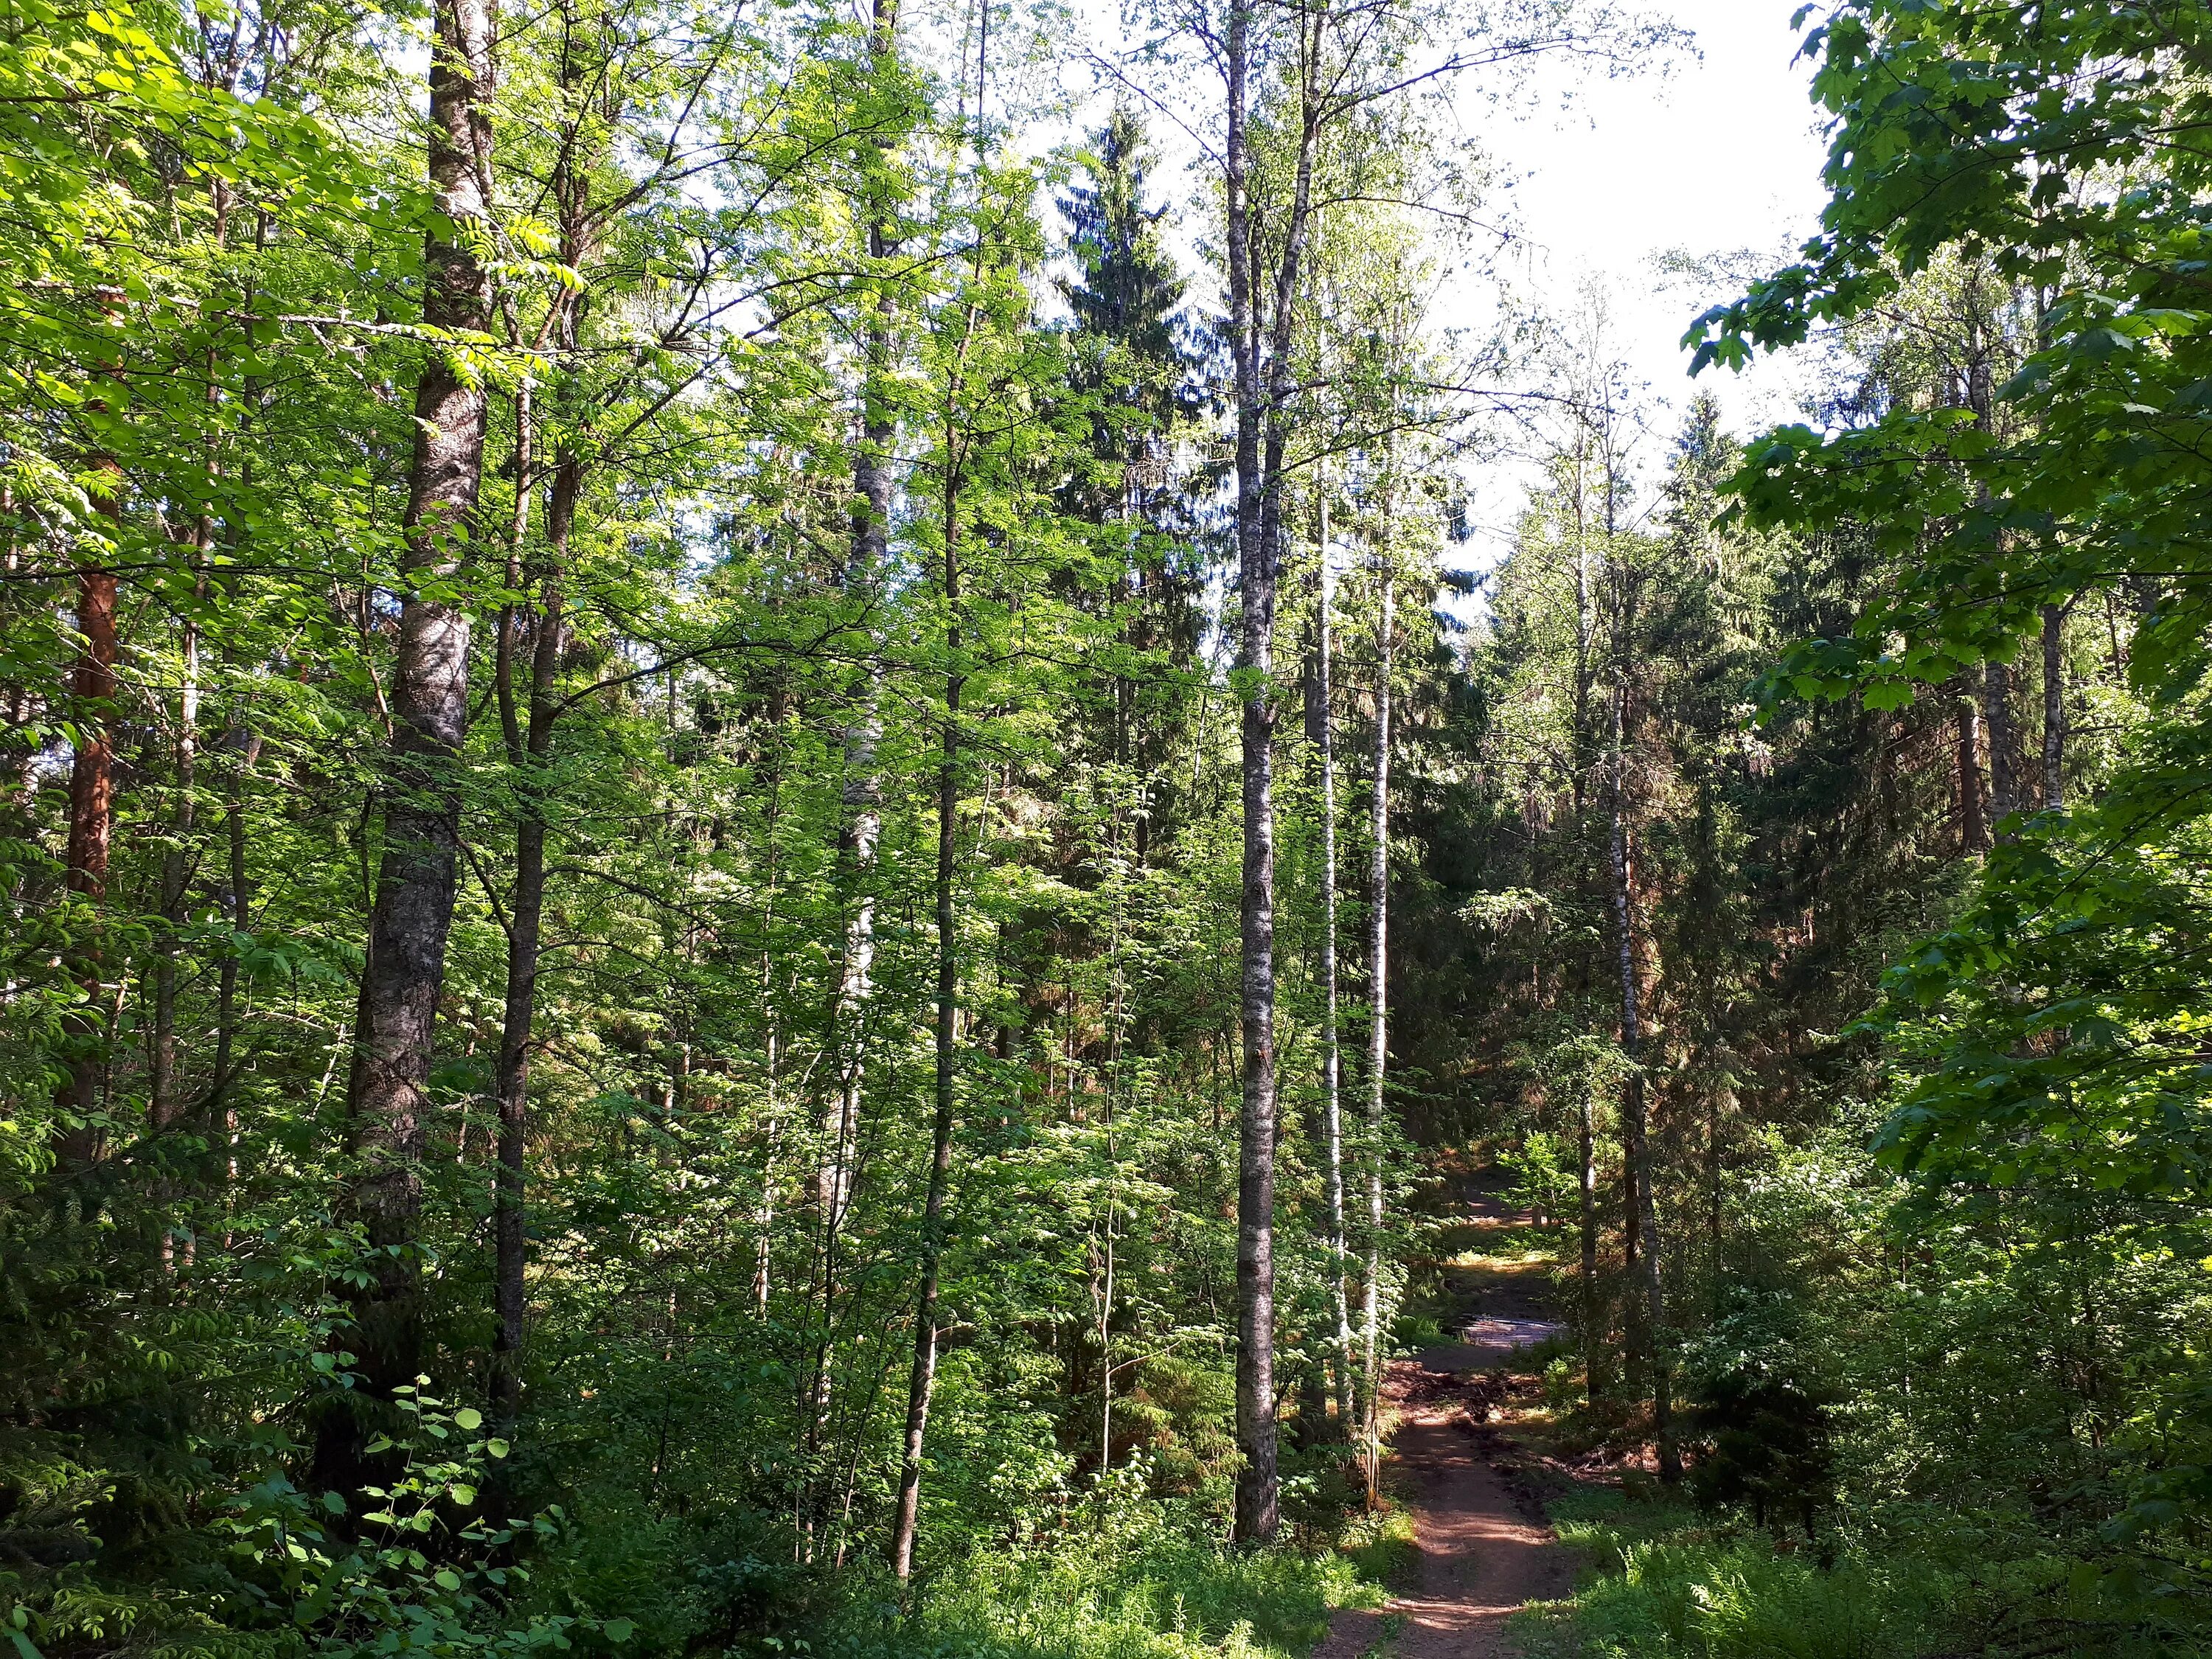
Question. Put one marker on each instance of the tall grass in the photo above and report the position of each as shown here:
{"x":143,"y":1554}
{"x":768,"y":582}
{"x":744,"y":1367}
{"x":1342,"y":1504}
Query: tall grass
{"x":1661,"y":1582}
{"x":1124,"y":1587}
{"x":1662,"y":1588}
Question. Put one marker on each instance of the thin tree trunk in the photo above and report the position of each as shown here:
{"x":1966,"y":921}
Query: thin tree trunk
{"x":1378,"y":993}
{"x":1332,"y":1065}
{"x":163,"y":1106}
{"x":1593,"y":1329}
{"x":404,"y":973}
{"x":862,"y":812}
{"x":526,"y":920}
{"x":1974,"y":833}
{"x":1996,"y":715}
{"x":1256,"y":1489}
{"x":1262,"y":415}
{"x":2054,"y":707}
{"x":247,"y":744}
{"x":948,"y":991}
{"x":529,"y":752}
{"x":91,"y":829}
{"x":1635,"y":1126}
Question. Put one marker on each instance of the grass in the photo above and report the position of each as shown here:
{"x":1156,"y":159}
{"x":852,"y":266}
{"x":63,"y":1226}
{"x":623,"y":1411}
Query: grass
{"x":1151,"y":1589}
{"x":1658,"y":1582}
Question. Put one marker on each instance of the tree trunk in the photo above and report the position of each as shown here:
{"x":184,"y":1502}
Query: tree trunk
{"x":2054,"y":707}
{"x":1996,"y":714}
{"x":862,"y":811}
{"x":529,"y":751}
{"x":1635,"y":1127}
{"x":1261,"y":413}
{"x":1256,"y":1487}
{"x":163,"y":1106}
{"x":404,"y":972}
{"x":1974,"y":833}
{"x":511,"y":1085}
{"x":1378,"y":994}
{"x":245,"y":744}
{"x":1593,"y":1309}
{"x":1332,"y":1063}
{"x":948,"y":990}
{"x":91,"y":831}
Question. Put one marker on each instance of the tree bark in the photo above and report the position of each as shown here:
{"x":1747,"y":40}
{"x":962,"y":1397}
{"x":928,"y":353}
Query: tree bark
{"x":1635,"y":1126}
{"x":1974,"y":833}
{"x":1256,"y":1486}
{"x":1332,"y":1063}
{"x":924,"y":1376}
{"x":861,"y":803}
{"x":1593,"y":1323}
{"x":2054,"y":707}
{"x":1996,"y":715}
{"x":404,"y":973}
{"x":511,"y":1085}
{"x":1378,"y":1015}
{"x":163,"y":1106}
{"x":91,"y":830}
{"x":1261,"y":407}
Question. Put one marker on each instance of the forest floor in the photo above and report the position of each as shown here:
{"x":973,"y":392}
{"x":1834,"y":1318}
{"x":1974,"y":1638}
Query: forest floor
{"x":1484,"y":1547}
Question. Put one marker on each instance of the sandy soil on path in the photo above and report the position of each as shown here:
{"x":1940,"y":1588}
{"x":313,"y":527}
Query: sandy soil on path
{"x":1483,"y":1555}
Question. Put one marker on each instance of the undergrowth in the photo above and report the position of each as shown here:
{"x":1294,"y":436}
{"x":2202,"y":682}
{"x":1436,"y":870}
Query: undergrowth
{"x":1658,"y":1581}
{"x":1140,"y":1583}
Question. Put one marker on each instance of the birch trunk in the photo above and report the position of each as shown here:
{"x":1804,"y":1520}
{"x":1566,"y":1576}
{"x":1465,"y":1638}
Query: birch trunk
{"x":1593,"y":1321}
{"x":1262,"y":397}
{"x":1332,"y":1065}
{"x":861,"y":805}
{"x":1256,"y":1490}
{"x":404,"y":972}
{"x":948,"y":989}
{"x":1378,"y":1022}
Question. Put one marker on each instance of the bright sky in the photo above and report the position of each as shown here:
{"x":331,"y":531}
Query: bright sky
{"x":1718,"y":154}
{"x":1714,"y":153}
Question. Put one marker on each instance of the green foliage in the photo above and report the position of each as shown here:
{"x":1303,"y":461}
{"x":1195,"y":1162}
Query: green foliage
{"x":1129,"y":1579}
{"x":422,"y":1572}
{"x":1544,"y":1178}
{"x":1662,"y":1588}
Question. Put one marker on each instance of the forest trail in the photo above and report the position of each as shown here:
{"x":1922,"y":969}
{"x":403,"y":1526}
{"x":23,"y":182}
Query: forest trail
{"x":1485,"y":1550}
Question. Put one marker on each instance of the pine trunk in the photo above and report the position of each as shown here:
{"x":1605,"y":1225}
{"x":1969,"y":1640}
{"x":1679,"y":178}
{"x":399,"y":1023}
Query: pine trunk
{"x":1651,"y":1322}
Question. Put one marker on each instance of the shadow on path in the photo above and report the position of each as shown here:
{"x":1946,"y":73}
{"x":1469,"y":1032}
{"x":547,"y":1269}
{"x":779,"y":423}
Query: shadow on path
{"x":1483,"y":1554}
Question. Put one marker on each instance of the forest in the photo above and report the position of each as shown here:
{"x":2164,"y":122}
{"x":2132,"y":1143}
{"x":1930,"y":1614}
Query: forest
{"x":787,"y":867}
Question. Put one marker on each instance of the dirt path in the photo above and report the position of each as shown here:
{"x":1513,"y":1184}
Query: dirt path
{"x":1483,"y":1553}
